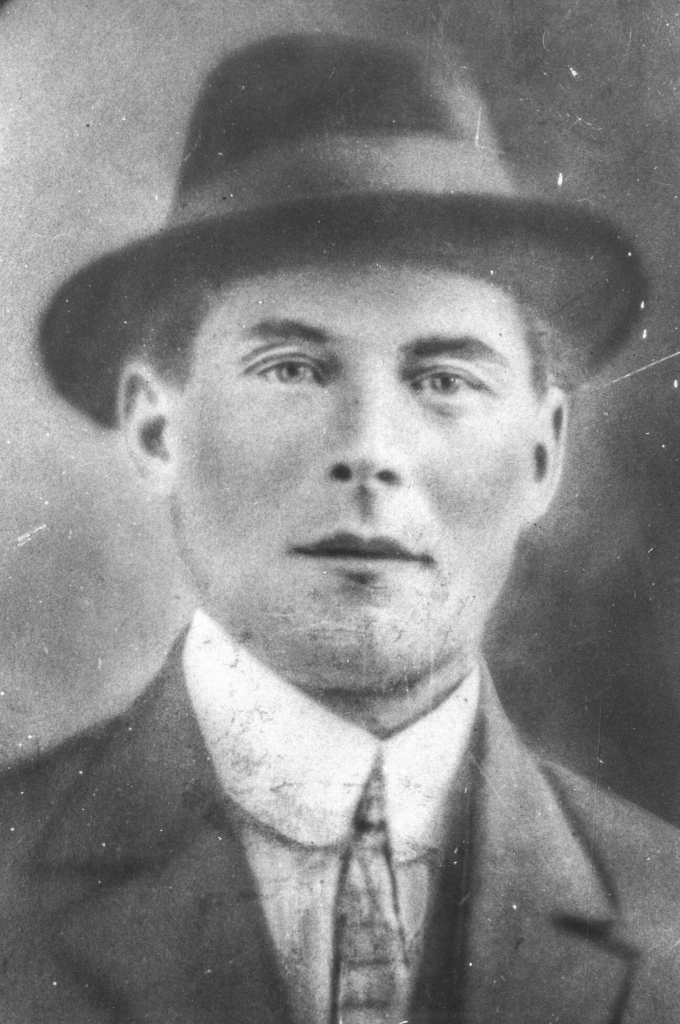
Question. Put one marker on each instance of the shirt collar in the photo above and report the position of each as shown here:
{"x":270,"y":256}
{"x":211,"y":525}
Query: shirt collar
{"x":299,"y":769}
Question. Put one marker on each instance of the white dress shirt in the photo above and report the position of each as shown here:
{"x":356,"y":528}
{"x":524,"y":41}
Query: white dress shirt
{"x":297,"y":771}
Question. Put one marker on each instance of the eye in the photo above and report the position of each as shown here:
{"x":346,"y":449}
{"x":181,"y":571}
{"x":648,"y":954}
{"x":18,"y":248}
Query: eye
{"x":444,"y":383}
{"x":441,"y":383}
{"x":292,"y":372}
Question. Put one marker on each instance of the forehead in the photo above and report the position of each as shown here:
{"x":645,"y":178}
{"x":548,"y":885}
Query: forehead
{"x":382,"y":307}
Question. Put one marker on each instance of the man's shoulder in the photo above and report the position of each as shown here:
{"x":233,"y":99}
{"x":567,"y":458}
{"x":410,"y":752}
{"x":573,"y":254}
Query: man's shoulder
{"x":636,"y":852}
{"x":32,"y":790}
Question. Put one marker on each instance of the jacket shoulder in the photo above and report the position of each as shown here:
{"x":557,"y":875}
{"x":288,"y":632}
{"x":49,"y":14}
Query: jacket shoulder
{"x":638,"y":854}
{"x":32,"y":791}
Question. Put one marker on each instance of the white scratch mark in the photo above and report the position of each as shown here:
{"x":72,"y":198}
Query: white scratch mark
{"x":25,"y":537}
{"x":193,"y":148}
{"x":479,"y":126}
{"x":640,"y":369}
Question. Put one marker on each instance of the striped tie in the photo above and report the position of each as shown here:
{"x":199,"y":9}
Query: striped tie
{"x":371,"y":968}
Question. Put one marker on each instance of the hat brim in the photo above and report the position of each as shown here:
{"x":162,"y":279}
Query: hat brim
{"x":571,"y":267}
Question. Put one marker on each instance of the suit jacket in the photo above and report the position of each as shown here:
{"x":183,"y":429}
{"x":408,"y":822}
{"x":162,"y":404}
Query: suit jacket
{"x":127,"y":897}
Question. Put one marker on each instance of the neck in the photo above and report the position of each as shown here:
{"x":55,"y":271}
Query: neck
{"x":361,"y":682}
{"x":398,"y":705}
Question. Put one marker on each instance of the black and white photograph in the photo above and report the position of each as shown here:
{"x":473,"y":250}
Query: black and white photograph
{"x":340,"y":532}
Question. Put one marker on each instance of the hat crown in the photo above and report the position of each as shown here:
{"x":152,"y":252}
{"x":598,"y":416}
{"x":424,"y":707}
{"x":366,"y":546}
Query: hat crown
{"x":294,"y":118}
{"x":287,"y":88}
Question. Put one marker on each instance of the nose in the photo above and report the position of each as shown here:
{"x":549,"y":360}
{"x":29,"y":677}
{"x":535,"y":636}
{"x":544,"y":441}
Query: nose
{"x":371,"y":447}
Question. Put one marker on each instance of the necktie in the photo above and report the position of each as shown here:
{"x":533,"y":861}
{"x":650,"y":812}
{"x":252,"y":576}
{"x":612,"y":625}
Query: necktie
{"x":371,"y":968}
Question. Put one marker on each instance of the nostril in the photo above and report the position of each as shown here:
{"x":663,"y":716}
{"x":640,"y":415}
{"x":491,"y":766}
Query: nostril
{"x":540,"y":461}
{"x":341,"y":471}
{"x":362,"y":473}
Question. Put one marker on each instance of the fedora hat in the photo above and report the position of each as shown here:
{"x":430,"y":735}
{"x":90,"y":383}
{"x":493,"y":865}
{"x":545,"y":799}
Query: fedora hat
{"x":308,"y":149}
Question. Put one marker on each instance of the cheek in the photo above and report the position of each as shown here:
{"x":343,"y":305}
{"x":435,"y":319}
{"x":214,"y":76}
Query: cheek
{"x":239,"y":469}
{"x":481,"y":482}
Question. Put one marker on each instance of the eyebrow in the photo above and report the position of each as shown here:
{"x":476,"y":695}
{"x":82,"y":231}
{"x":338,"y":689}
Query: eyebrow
{"x":467,"y":346}
{"x":286,"y":330}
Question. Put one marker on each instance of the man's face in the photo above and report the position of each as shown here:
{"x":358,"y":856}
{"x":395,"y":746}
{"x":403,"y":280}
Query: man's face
{"x":350,"y":466}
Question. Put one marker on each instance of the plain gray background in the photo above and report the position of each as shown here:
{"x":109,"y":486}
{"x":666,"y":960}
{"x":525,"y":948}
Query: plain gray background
{"x":94,"y":99}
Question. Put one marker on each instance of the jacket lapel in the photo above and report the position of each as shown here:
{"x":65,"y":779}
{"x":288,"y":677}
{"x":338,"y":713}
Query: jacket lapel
{"x":167,"y":925}
{"x":544,"y":942}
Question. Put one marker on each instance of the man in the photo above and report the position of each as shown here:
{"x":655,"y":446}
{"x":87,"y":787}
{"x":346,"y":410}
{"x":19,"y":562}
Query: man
{"x":344,"y":365}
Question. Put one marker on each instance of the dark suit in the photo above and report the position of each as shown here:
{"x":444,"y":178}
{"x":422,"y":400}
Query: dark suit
{"x":127,"y":896}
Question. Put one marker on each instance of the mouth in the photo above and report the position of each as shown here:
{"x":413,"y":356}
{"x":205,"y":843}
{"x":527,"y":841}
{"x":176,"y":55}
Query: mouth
{"x":351,"y":546}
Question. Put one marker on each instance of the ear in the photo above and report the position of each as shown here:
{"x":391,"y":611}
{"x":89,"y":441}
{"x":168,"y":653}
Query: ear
{"x":147,"y":408}
{"x":548,"y":449}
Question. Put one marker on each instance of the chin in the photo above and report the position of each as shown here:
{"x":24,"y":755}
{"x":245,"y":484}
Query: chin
{"x":359,"y":630}
{"x":368,"y":646}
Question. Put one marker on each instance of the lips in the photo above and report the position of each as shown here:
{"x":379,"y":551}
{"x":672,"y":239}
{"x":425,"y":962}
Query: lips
{"x":349,"y":545}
